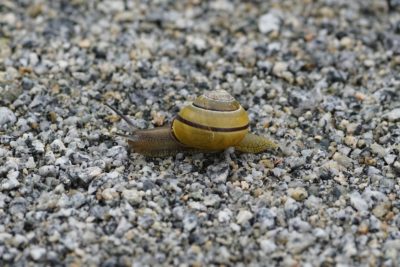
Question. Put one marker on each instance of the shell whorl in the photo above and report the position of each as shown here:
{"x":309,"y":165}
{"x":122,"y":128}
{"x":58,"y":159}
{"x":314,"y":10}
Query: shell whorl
{"x":218,"y":100}
{"x":214,"y":120}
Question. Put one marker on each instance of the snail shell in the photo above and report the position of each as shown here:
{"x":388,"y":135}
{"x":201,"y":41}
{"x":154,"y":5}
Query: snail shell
{"x":213,"y":122}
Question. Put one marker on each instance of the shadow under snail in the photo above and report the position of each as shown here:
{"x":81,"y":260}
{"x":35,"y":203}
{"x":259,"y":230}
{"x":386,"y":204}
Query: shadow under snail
{"x":214,"y":122}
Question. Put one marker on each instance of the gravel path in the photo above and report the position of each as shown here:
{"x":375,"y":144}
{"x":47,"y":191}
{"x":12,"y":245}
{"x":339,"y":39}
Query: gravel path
{"x":319,"y":77}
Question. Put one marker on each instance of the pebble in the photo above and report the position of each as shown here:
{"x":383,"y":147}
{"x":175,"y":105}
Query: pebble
{"x":243,"y":217}
{"x":218,"y":173}
{"x":378,"y":149}
{"x":224,"y":215}
{"x":390,"y":158}
{"x":133,"y":196}
{"x":109,"y":194}
{"x":37,"y":253}
{"x":343,"y":160}
{"x":269,"y":22}
{"x":89,"y":173}
{"x":267,"y":246}
{"x":298,"y":242}
{"x":358,"y":202}
{"x":57,"y":146}
{"x":190,"y":222}
{"x":298,"y":193}
{"x":38,"y":146}
{"x":11,"y":182}
{"x":7,"y":118}
{"x":393,"y":115}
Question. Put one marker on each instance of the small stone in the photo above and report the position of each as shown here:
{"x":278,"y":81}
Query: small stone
{"x":133,"y":196}
{"x":363,"y":229}
{"x":218,"y":173}
{"x":109,"y":194}
{"x":243,"y":217}
{"x":190,"y":222}
{"x":38,"y":146}
{"x":212,"y":200}
{"x":298,"y":242}
{"x":279,"y":67}
{"x":11,"y":182}
{"x":47,"y":170}
{"x":199,"y":43}
{"x":63,"y":162}
{"x":343,"y":160}
{"x":224,"y":215}
{"x":393,"y":115}
{"x":369,"y":63}
{"x":280,"y":70}
{"x":112,"y":6}
{"x":351,"y":141}
{"x":347,"y":42}
{"x":378,"y":149}
{"x":269,"y":164}
{"x":7,"y":118}
{"x":37,"y":253}
{"x":269,"y":22}
{"x":267,"y":245}
{"x":358,"y":202}
{"x":85,"y":43}
{"x":390,"y":158}
{"x":235,"y":227}
{"x":57,"y":146}
{"x":278,"y":172}
{"x":88,"y":174}
{"x":298,"y":193}
{"x":77,"y":200}
{"x":30,"y":163}
{"x":381,"y":210}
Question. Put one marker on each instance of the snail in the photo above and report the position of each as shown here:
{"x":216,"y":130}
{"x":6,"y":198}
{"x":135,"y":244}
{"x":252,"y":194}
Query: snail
{"x":214,"y":122}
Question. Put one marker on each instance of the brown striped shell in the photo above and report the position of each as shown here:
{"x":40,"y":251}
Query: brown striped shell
{"x":214,"y":121}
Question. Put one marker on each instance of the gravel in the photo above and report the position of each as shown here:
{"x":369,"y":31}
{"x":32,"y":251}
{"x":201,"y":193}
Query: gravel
{"x":321,"y":78}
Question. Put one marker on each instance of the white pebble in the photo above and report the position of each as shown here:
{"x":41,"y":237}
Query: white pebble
{"x":133,"y":196}
{"x":393,"y":115}
{"x":269,"y":22}
{"x":358,"y":202}
{"x":243,"y":217}
{"x":267,"y":245}
{"x":224,"y":215}
{"x":7,"y":118}
{"x":37,"y":253}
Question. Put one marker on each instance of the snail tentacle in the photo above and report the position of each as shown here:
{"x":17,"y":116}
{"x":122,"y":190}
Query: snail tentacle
{"x":124,"y":117}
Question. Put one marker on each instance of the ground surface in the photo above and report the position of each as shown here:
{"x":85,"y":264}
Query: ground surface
{"x":319,"y":77}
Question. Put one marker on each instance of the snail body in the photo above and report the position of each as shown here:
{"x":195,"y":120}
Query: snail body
{"x":213,"y":122}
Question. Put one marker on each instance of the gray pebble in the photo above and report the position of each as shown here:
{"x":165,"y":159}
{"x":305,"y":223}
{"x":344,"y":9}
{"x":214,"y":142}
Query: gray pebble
{"x":190,"y":222}
{"x":133,"y":196}
{"x":7,"y":118}
{"x":11,"y":182}
{"x":218,"y":173}
{"x":358,"y":202}
{"x":224,"y":215}
{"x":393,"y":115}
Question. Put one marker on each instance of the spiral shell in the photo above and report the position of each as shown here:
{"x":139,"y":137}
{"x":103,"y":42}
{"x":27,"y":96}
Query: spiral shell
{"x":214,"y":121}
